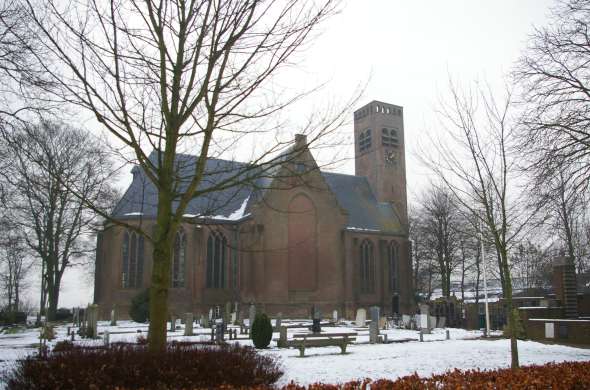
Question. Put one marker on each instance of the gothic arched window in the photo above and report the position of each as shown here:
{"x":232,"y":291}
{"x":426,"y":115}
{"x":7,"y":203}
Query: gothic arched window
{"x":392,"y":258}
{"x":133,"y":252}
{"x":367,"y":271}
{"x":179,"y":259}
{"x":216,"y":255}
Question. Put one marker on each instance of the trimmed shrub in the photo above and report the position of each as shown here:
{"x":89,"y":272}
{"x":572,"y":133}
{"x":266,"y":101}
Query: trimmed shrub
{"x":139,"y":311}
{"x":261,"y":331}
{"x":12,"y":317}
{"x":127,"y":366}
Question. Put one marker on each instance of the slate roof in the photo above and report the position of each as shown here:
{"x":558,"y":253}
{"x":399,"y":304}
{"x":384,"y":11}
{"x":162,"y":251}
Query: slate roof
{"x":353,"y":194}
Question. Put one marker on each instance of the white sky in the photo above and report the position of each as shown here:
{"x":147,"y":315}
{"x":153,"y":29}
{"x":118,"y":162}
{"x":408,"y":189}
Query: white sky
{"x":405,"y":52}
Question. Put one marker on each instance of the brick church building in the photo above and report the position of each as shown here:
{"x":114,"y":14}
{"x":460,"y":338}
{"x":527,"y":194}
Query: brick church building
{"x":284,"y":242}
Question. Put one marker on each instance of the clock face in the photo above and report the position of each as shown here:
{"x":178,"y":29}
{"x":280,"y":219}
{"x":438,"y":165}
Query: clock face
{"x":390,"y":157}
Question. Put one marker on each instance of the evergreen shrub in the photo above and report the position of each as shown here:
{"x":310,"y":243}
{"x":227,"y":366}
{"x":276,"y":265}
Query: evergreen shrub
{"x":261,"y":331}
{"x":139,"y":311}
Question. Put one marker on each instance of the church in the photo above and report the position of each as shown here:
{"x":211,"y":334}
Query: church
{"x":336,"y":241}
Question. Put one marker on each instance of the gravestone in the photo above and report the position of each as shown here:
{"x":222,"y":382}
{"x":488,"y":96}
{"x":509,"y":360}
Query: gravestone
{"x":278,"y":321}
{"x":442,"y":322}
{"x":204,"y":321}
{"x":361,"y":317}
{"x":210,"y":314}
{"x":335,"y":316}
{"x":188,"y":324}
{"x":219,"y":330}
{"x":406,"y":320}
{"x":282,"y":337}
{"x":251,"y":315}
{"x":114,"y":316}
{"x":423,"y":323}
{"x":92,"y":318}
{"x":316,"y":317}
{"x":374,"y":325}
{"x":172,"y":323}
{"x":234,"y":318}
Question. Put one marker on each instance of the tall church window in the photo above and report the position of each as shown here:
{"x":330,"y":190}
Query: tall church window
{"x":365,"y":140}
{"x":133,"y":253}
{"x":216,"y":255}
{"x":389,"y":137}
{"x":392,"y":258}
{"x":367,"y":271}
{"x":179,"y":260}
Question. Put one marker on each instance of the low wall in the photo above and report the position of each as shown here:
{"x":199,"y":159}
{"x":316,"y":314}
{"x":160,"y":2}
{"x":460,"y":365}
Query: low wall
{"x":561,"y":330}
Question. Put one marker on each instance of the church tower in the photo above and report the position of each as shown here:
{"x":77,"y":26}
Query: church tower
{"x":380,"y":154}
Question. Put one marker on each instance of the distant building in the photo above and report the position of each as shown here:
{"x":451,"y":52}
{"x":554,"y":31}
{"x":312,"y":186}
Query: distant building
{"x":281,"y":241}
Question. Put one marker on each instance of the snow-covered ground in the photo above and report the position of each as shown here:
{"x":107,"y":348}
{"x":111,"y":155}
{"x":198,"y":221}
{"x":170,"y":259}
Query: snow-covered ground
{"x":406,"y":355}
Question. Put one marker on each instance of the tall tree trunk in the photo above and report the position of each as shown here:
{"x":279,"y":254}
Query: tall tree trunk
{"x":511,"y":313}
{"x":160,"y":274}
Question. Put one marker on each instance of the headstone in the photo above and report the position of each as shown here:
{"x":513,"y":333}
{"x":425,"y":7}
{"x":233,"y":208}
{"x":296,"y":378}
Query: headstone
{"x":114,"y":316}
{"x":549,"y":330}
{"x":335,"y":316}
{"x":421,"y":335}
{"x":234,"y":318}
{"x":172,"y":323}
{"x":282,"y":337}
{"x":211,"y":314}
{"x":361,"y":317}
{"x":106,"y":337}
{"x":383,"y":322}
{"x":374,"y":326}
{"x":92,"y":316}
{"x":442,"y":322}
{"x":316,"y":317}
{"x":188,"y":324}
{"x":251,"y":315}
{"x":237,"y":312}
{"x":219,"y":330}
{"x":448,"y":335}
{"x":204,"y":321}
{"x":406,"y":319}
{"x":423,"y":321}
{"x":279,"y":321}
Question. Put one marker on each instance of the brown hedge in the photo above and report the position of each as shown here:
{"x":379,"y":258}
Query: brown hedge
{"x":128,"y":366}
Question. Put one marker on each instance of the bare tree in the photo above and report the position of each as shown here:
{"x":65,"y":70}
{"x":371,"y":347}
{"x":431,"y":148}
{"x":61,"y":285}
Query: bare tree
{"x":167,"y":76}
{"x":475,"y":161}
{"x":423,"y":267}
{"x":554,"y":73}
{"x":438,"y":223}
{"x":15,"y":264}
{"x":51,"y":169}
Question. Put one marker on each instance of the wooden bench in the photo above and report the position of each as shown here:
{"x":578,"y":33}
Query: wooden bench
{"x":302,"y":341}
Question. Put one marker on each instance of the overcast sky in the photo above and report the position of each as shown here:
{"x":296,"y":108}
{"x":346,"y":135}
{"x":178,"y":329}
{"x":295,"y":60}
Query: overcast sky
{"x":405,"y":52}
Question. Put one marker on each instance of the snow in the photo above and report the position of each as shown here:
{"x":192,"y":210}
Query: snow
{"x":133,"y":213}
{"x":234,"y":216}
{"x":362,"y":229}
{"x":406,"y":355}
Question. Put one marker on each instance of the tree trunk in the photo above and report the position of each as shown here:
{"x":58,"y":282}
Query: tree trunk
{"x":511,"y":314}
{"x":160,"y":274}
{"x":52,"y":301}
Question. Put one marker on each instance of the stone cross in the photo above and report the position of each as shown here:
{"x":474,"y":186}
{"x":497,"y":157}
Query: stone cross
{"x":188,"y":324}
{"x":361,"y":317}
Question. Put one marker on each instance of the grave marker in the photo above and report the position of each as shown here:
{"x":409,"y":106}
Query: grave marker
{"x":361,"y":317}
{"x":188,"y":324}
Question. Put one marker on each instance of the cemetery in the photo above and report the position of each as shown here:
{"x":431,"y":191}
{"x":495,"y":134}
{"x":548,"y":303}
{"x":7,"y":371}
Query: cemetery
{"x":321,"y":346}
